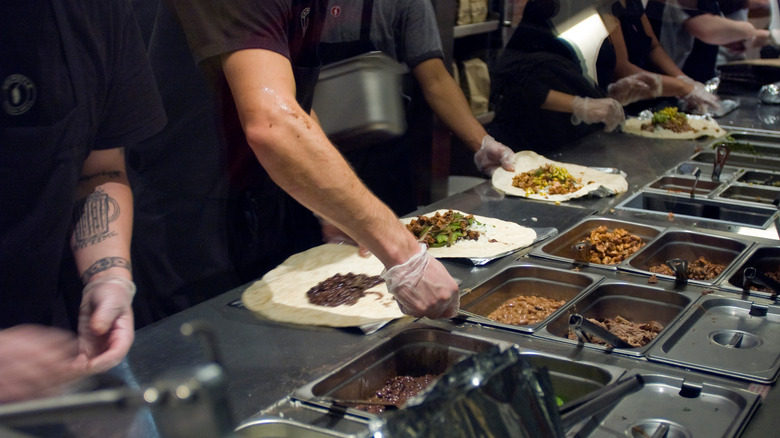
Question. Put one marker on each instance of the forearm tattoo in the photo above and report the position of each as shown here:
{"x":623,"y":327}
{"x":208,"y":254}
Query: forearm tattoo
{"x":92,"y":218}
{"x":105,"y":264}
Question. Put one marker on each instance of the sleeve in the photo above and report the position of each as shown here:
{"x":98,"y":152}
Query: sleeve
{"x":419,"y":33}
{"x":133,"y":109}
{"x":214,"y":27}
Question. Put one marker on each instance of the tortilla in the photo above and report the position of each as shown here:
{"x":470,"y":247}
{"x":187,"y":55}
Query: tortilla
{"x":496,"y":237}
{"x":592,"y":179}
{"x":280,"y":295}
{"x":702,"y":127}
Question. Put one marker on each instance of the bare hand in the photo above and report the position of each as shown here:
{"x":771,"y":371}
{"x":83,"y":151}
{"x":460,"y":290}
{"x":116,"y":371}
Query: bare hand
{"x":37,"y":361}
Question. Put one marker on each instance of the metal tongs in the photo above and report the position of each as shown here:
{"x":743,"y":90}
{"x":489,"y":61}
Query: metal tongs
{"x":584,"y":329}
{"x":696,"y":174}
{"x":752,"y":276}
{"x":680,"y":269}
{"x":581,"y":251}
{"x":597,"y":401}
{"x":721,"y":154}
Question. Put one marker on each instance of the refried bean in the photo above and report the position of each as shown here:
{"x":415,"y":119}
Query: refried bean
{"x":342,"y":289}
{"x":397,"y":391}
{"x":524,"y":310}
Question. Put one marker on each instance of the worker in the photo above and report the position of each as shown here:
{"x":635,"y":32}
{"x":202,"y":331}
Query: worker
{"x":262,"y":58}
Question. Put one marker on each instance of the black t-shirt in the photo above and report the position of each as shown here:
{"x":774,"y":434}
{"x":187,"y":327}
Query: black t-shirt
{"x":74,"y":78}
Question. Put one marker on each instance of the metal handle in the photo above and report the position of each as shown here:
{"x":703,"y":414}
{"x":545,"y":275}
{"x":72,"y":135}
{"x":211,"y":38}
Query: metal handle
{"x":697,"y":174}
{"x":752,"y":275}
{"x":721,"y":154}
{"x":582,"y":327}
{"x":581,"y":251}
{"x":680,"y":269}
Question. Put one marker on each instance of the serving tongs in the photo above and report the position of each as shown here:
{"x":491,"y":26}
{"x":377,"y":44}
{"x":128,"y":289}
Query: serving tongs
{"x":680,"y":269}
{"x":696,"y":174}
{"x":584,"y":329}
{"x":597,"y":401}
{"x":752,"y":276}
{"x":581,"y":251}
{"x":721,"y":154}
{"x":347,"y":403}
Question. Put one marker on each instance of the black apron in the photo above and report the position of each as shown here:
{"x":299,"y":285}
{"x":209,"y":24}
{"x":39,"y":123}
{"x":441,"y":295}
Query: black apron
{"x":39,"y":170}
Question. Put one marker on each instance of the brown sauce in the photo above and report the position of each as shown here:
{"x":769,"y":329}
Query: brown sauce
{"x":342,"y":289}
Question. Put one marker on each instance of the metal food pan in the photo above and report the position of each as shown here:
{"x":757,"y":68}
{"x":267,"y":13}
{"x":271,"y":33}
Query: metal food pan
{"x":765,"y":259}
{"x":743,"y":161}
{"x":760,"y":143}
{"x":687,"y":409}
{"x":633,"y":302}
{"x":524,"y":280}
{"x":702,"y":209}
{"x":562,"y":246}
{"x":689,"y":246}
{"x":760,"y":178}
{"x":421,"y":351}
{"x":726,"y":174}
{"x":749,"y":193}
{"x":727,"y":336}
{"x":284,"y":428}
{"x":683,"y":185}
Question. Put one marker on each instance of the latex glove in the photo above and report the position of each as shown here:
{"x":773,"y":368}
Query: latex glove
{"x":700,"y":101}
{"x":106,"y":329}
{"x":639,"y":86}
{"x":493,"y":154}
{"x":423,"y":287}
{"x":607,"y":111}
{"x":37,"y":361}
{"x":333,"y":234}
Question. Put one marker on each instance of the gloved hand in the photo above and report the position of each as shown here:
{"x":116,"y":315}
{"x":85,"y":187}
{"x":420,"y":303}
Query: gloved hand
{"x":700,"y":101}
{"x":639,"y":86}
{"x":607,"y":111}
{"x":106,"y":321}
{"x":37,"y":361}
{"x":493,"y":154}
{"x":423,"y":287}
{"x":333,"y":234}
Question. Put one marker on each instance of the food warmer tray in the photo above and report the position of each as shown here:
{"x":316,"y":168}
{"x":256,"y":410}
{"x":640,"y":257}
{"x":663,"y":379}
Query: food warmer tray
{"x":524,"y":280}
{"x":725,"y":336}
{"x":687,"y":245}
{"x":636,"y":303}
{"x":688,"y":410}
{"x":764,"y":258}
{"x":564,"y":246}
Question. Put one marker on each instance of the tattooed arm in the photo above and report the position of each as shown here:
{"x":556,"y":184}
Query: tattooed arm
{"x":101,"y":247}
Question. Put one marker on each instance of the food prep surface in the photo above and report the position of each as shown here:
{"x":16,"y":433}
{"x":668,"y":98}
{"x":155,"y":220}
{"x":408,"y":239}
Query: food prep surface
{"x":286,"y":377}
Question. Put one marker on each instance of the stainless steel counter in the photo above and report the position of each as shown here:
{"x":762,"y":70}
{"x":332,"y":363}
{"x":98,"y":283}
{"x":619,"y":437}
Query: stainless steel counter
{"x":266,"y":361}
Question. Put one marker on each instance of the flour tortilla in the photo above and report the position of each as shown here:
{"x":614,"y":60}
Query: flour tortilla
{"x":496,"y":237}
{"x":281,"y":294}
{"x":528,"y":160}
{"x":702,"y":127}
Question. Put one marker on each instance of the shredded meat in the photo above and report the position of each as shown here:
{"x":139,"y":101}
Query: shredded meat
{"x":342,"y":289}
{"x":701,"y":269}
{"x":635,"y":334}
{"x":524,"y":310}
{"x":611,"y":248}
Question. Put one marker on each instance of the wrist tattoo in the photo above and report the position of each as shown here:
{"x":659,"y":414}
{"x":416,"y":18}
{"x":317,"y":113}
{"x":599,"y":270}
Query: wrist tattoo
{"x":92,"y":218}
{"x":105,"y":264}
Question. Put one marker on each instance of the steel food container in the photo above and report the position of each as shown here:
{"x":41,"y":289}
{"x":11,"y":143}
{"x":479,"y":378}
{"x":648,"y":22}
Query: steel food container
{"x":674,"y":244}
{"x":638,"y":304}
{"x":683,"y":185}
{"x":284,"y":428}
{"x":726,"y":336}
{"x":564,"y":246}
{"x":524,"y":280}
{"x":765,"y":259}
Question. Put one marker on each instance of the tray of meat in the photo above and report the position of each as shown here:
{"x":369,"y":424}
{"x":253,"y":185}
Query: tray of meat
{"x":726,"y":336}
{"x":635,"y":314}
{"x":687,"y":256}
{"x":598,"y":242}
{"x":523,"y":297}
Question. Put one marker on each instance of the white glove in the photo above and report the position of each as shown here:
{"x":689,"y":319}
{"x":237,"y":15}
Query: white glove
{"x":700,"y":101}
{"x":423,"y":287}
{"x":607,"y":111}
{"x":106,"y":328}
{"x":493,"y":154}
{"x":639,"y":86}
